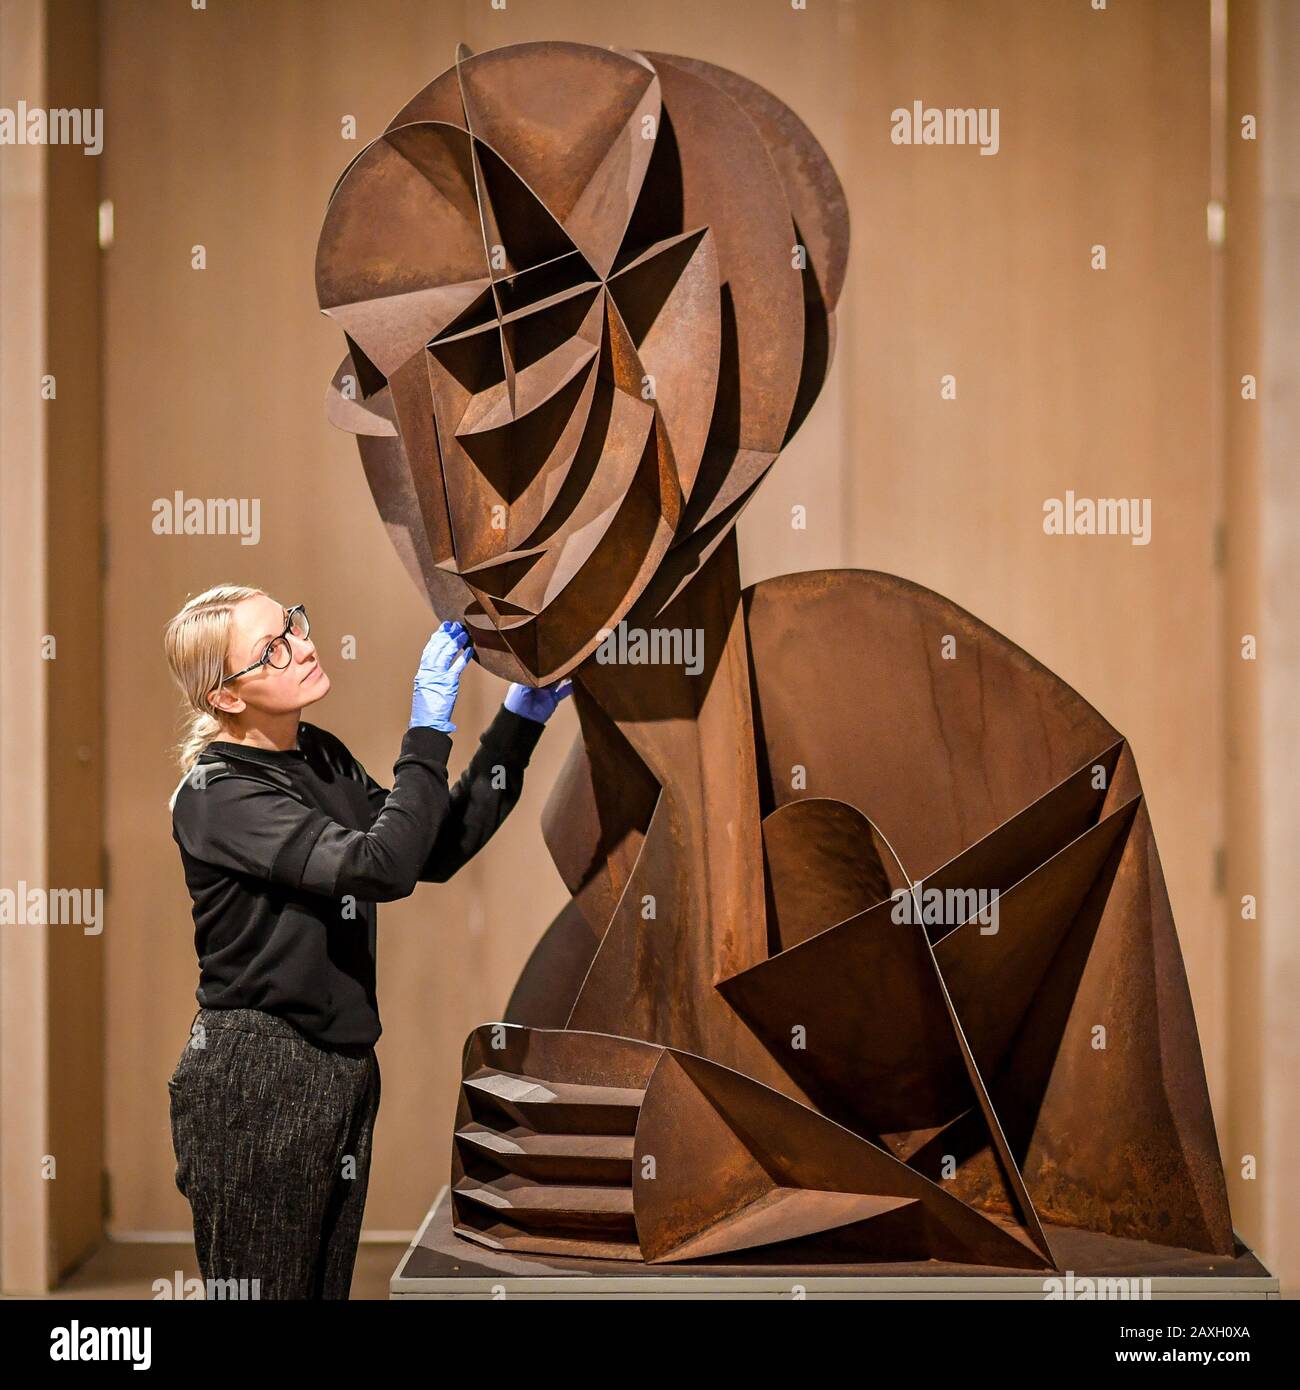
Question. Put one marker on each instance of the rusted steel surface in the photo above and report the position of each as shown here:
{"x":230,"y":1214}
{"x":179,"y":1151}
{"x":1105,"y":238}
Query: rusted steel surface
{"x":868,"y":954}
{"x":778,"y":1173}
{"x":579,"y":315}
{"x":992,"y":773}
{"x":824,"y":864}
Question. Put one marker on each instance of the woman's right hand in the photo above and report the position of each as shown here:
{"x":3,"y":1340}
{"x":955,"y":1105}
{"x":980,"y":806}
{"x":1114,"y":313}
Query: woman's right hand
{"x":437,"y":682}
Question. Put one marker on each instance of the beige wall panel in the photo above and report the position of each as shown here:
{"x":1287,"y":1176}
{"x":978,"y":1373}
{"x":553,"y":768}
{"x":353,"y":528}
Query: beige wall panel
{"x":51,"y":986}
{"x":25,"y":1245}
{"x":1243,"y":1129}
{"x":75,"y":756}
{"x":1271,"y":548}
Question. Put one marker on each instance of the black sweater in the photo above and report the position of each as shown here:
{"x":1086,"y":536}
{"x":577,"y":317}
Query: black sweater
{"x":287,"y":853}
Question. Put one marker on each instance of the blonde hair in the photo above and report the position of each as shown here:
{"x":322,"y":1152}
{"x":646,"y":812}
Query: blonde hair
{"x":196,"y":641}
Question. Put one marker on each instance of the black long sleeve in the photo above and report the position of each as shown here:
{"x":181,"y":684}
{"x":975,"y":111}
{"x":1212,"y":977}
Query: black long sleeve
{"x":251,"y":827}
{"x":484,"y":794}
{"x":286,"y":853}
{"x":385,"y":861}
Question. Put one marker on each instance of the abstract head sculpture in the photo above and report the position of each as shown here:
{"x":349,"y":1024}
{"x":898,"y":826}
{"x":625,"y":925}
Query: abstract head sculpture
{"x":588,"y":295}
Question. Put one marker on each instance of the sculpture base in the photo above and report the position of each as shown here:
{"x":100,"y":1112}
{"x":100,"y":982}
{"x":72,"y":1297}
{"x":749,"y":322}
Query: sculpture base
{"x":440,"y":1264}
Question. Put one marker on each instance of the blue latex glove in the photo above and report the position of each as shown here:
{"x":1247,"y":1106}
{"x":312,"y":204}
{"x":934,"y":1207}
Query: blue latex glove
{"x":437,"y":682}
{"x":537,"y":702}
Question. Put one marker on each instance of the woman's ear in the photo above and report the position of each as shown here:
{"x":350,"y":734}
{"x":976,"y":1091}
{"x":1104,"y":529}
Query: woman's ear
{"x":225,"y":700}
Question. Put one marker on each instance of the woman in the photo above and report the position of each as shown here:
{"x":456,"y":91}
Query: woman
{"x":287,"y":845}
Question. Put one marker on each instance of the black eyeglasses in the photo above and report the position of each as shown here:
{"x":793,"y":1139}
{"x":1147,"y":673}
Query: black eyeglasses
{"x":278,"y":653}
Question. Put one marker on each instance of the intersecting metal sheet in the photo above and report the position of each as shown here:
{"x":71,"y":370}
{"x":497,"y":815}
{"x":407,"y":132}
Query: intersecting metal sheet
{"x":724,"y":1164}
{"x":824,"y":865}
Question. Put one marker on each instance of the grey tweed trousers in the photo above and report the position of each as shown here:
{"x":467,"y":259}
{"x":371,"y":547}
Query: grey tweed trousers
{"x":272,"y":1134}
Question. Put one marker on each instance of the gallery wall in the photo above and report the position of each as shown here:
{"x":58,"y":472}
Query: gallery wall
{"x":226,"y":132}
{"x":52,"y":995}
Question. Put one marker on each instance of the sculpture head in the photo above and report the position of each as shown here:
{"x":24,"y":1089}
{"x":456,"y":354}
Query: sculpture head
{"x":588,"y":295}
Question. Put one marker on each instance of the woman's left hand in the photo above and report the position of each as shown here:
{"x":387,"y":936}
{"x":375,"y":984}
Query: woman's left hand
{"x":537,"y":702}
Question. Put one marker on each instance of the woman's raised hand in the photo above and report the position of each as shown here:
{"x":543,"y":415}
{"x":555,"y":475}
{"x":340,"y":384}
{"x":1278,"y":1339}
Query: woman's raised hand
{"x":537,"y":702}
{"x":437,"y":682}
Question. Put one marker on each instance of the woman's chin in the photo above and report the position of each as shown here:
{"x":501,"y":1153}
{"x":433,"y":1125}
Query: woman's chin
{"x":316,"y":689}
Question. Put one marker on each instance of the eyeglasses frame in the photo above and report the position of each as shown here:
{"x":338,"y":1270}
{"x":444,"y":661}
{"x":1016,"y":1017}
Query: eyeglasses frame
{"x":265,"y":658}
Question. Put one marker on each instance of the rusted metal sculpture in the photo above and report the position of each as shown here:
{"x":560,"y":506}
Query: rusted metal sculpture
{"x":588,"y":296}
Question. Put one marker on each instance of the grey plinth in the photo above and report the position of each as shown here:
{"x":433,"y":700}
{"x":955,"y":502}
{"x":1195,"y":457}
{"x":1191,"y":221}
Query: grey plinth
{"x":440,"y":1264}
